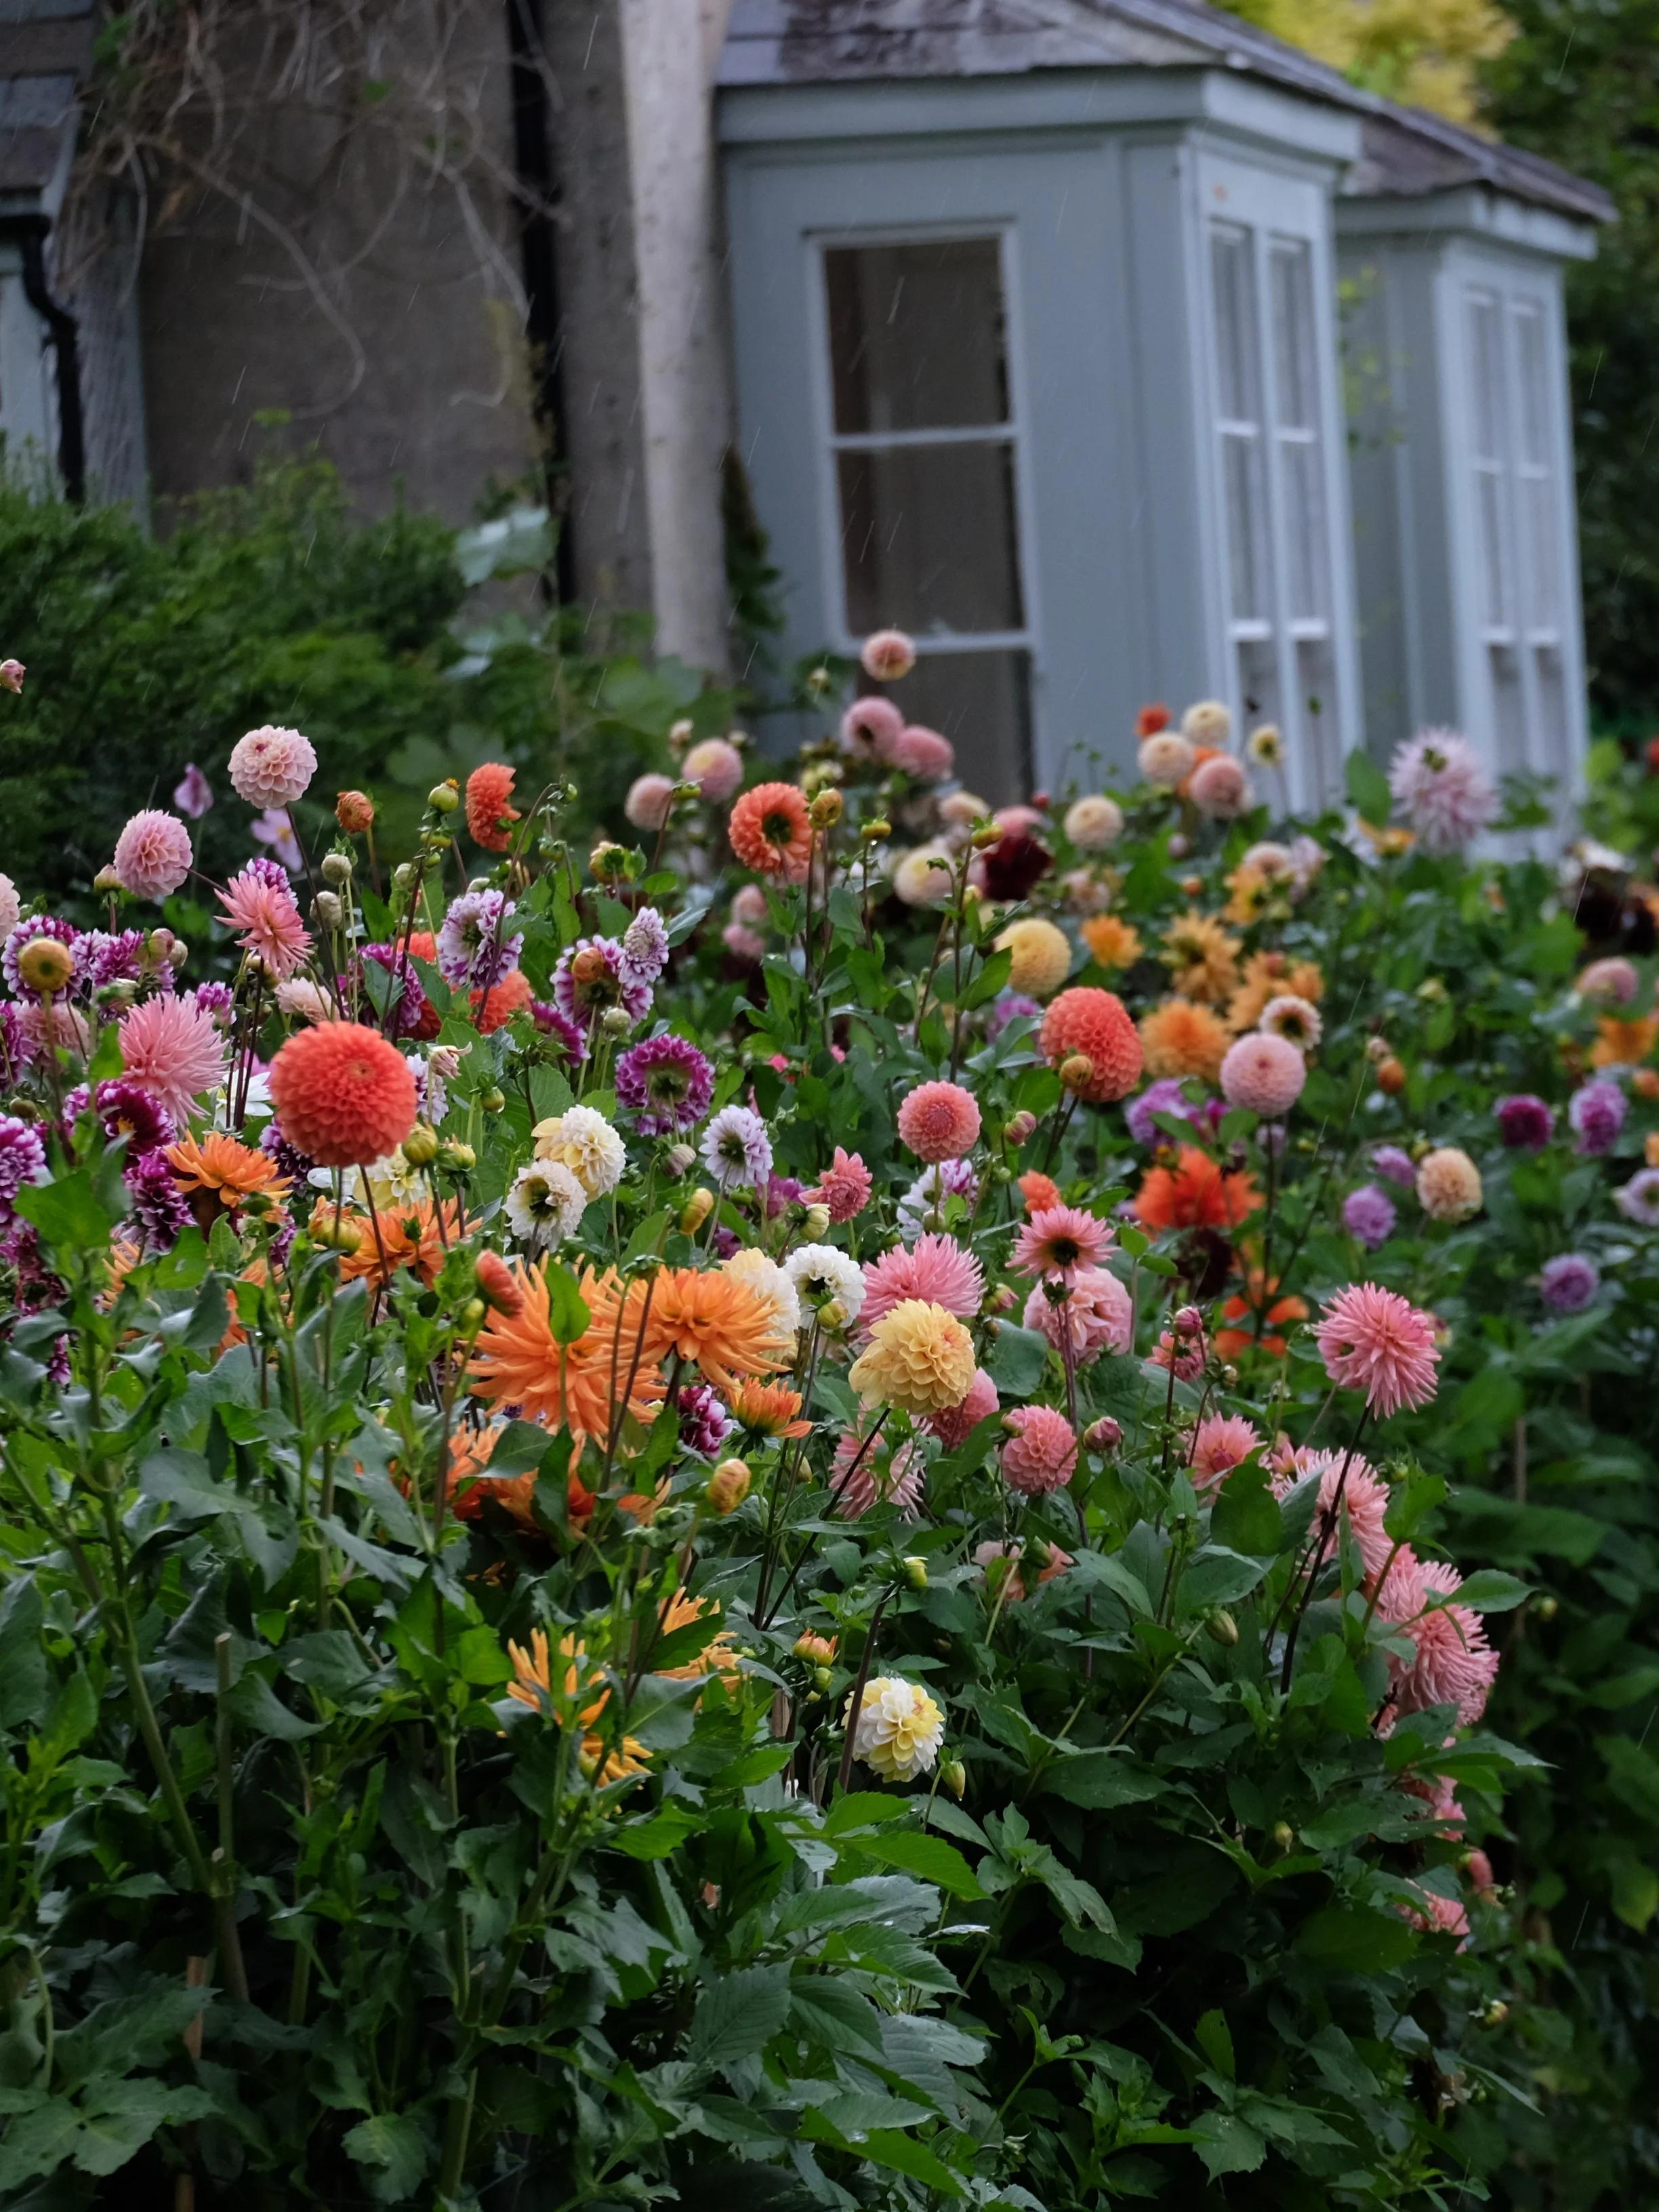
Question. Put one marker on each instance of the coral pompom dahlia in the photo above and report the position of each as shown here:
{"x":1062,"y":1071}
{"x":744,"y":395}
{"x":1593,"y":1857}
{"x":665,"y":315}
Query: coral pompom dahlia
{"x":344,"y":1093}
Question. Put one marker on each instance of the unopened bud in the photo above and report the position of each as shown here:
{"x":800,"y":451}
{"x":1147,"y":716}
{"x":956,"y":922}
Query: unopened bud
{"x":446,"y":797}
{"x":697,"y":1209}
{"x":326,"y":910}
{"x":354,"y":810}
{"x":826,"y":809}
{"x":1192,"y":886}
{"x":420,"y":1146}
{"x":1180,"y":846}
{"x":607,"y":861}
{"x":336,"y":869}
{"x":1222,"y":1626}
{"x":1376,"y":1048}
{"x":1391,"y":1076}
{"x":1495,"y":2013}
{"x":916,"y":1572}
{"x":616,"y":1021}
{"x":682,"y":1159}
{"x":1545,"y":1608}
{"x":818,"y":680}
{"x":1189,"y":1321}
{"x":1001,"y":1300}
{"x":403,"y":876}
{"x":178,"y":953}
{"x":458,"y":1158}
{"x":1022,"y":1128}
{"x":832,"y":1316}
{"x":107,"y":880}
{"x":471,"y":1316}
{"x":45,"y":965}
{"x":817,"y":1650}
{"x":815,"y":1222}
{"x":954,"y":1774}
{"x":728,"y":1486}
{"x":986,"y":835}
{"x":335,"y":1232}
{"x":681,"y":733}
{"x":492,"y":1100}
{"x":874,"y":833}
{"x":1284,"y":1834}
{"x":1076,"y":1071}
{"x":1105,"y":1435}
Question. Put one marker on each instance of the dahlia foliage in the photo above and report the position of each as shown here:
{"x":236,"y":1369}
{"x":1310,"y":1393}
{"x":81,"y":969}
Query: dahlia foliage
{"x":751,"y":1503}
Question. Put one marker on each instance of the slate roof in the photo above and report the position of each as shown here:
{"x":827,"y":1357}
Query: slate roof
{"x":1406,"y":153}
{"x":45,"y":48}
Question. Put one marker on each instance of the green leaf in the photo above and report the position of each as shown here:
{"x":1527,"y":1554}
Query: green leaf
{"x":1488,"y":1590}
{"x":568,"y":1312}
{"x":257,"y":1706}
{"x":737,"y":2015}
{"x":1018,"y":1359}
{"x":22,"y":1660}
{"x":1635,"y":1893}
{"x":1367,"y":787}
{"x":1224,"y":2143}
{"x":393,"y":2147}
{"x":930,"y":1858}
{"x":1216,"y":2042}
{"x":68,"y":1212}
{"x":1099,"y":1779}
{"x":1348,"y":1940}
{"x":1246,"y":1516}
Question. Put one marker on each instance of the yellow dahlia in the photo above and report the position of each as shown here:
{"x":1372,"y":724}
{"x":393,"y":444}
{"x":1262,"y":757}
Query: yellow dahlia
{"x":1179,"y":1038}
{"x":1041,"y":955}
{"x":1202,"y":957}
{"x":919,"y":1359}
{"x":1112,"y":941}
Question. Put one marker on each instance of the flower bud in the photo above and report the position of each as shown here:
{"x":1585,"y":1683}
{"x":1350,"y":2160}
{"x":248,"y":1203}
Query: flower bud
{"x":607,"y":861}
{"x":446,"y":797}
{"x":1022,"y":1128}
{"x":823,"y":1676}
{"x":420,"y":1146}
{"x":985,"y":836}
{"x":1222,"y":1626}
{"x":178,"y":953}
{"x":492,"y":1100}
{"x":916,"y":1572}
{"x":105,"y":881}
{"x":1180,"y":846}
{"x":1189,"y":1321}
{"x":818,"y":680}
{"x":1192,"y":886}
{"x":326,"y":910}
{"x":459,"y":1159}
{"x":954,"y":1774}
{"x":616,"y":1021}
{"x":1105,"y":1435}
{"x":354,"y":810}
{"x":1391,"y":1076}
{"x":336,"y":868}
{"x":403,"y":876}
{"x":1076,"y":1071}
{"x":698,"y":1207}
{"x":1001,"y":1300}
{"x":336,"y":1233}
{"x":826,"y":809}
{"x":728,"y":1486}
{"x":1545,"y":1608}
{"x":814,"y":1649}
{"x":1284,"y":1834}
{"x":681,"y":733}
{"x":681,"y":1159}
{"x":1495,"y":2013}
{"x":874,"y":833}
{"x":45,"y":965}
{"x":815,"y":1223}
{"x":471,"y":1316}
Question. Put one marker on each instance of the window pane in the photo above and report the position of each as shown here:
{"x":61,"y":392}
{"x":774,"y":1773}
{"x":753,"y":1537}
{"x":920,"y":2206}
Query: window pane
{"x":917,"y":340}
{"x":1494,"y":563}
{"x":1304,"y":530}
{"x":1537,"y":502}
{"x":1240,"y":464}
{"x":1258,"y":682}
{"x":1533,"y":378}
{"x":1296,"y":396}
{"x":1233,"y":276}
{"x":981,"y":702}
{"x":1316,"y":752}
{"x":927,"y":538}
{"x":1485,"y":378}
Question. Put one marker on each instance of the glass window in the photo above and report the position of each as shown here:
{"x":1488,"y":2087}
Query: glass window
{"x":926,"y":462}
{"x":1270,"y":436}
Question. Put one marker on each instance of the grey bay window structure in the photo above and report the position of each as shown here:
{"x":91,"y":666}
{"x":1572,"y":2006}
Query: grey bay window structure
{"x":1045,"y":318}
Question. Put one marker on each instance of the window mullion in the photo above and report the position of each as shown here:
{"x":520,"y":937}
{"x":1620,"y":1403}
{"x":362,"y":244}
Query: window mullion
{"x":1290,"y":705}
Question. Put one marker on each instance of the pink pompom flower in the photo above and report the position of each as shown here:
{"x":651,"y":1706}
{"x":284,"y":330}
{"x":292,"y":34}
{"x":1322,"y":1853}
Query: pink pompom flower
{"x":844,"y":1187}
{"x":1040,"y":1451}
{"x":888,"y":654}
{"x":152,"y":853}
{"x":954,"y":1425}
{"x":1373,"y":1341}
{"x":1263,"y":1073}
{"x":939,"y":1121}
{"x":870,"y":729}
{"x":1364,"y":1499}
{"x":924,"y":754}
{"x":271,"y":767}
{"x":1220,"y":789}
{"x":715,"y":766}
{"x":650,"y":800}
{"x":1098,"y":1315}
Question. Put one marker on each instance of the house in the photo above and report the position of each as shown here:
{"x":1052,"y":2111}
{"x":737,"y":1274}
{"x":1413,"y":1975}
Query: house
{"x":1114,"y":348}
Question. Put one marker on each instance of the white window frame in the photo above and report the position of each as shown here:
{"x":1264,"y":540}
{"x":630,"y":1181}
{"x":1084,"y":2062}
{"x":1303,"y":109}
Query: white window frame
{"x":1272,"y":212}
{"x":1013,"y":434}
{"x":1523,"y":655}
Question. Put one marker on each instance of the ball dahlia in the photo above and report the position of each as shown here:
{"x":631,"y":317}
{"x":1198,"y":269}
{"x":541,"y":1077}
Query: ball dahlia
{"x":938,"y":1121}
{"x":1093,"y":1023}
{"x":919,"y":1360}
{"x":152,"y":853}
{"x":344,"y":1093}
{"x":271,"y":767}
{"x":1041,"y":954}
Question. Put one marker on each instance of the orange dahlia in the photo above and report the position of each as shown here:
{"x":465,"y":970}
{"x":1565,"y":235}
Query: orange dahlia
{"x":1113,"y":942}
{"x":581,"y":1688}
{"x":1271,"y":975}
{"x":1092,"y":1023}
{"x":1624,"y":1043}
{"x":714,"y":1322}
{"x":768,"y":1409}
{"x":1240,"y":1311}
{"x":1201,"y":957}
{"x":409,"y":1238}
{"x":770,"y":830}
{"x":1179,"y":1038}
{"x":1194,"y":1194}
{"x":490,"y":811}
{"x":342,"y":1093}
{"x":231,"y":1171}
{"x":1038,"y":1190}
{"x":518,"y":1361}
{"x":494,"y":1008}
{"x":716,"y":1657}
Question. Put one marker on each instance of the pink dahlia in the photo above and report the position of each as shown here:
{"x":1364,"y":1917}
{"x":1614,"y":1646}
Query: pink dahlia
{"x":881,"y":1477}
{"x":1364,"y":1501}
{"x":938,"y":1121}
{"x":985,"y":1555}
{"x":1373,"y":1341}
{"x":934,"y":1269}
{"x":716,"y":766}
{"x":1040,"y":1451}
{"x":1263,"y":1073}
{"x":1097,"y":1314}
{"x":152,"y":854}
{"x":870,"y":729}
{"x":844,"y":1187}
{"x":650,"y":801}
{"x":1453,"y":1663}
{"x":924,"y":754}
{"x":271,"y":767}
{"x":956,"y":1424}
{"x":174,"y":1049}
{"x":1184,"y":1348}
{"x":888,"y":655}
{"x":1221,"y":1443}
{"x":1219,"y":788}
{"x":1059,"y":1239}
{"x":258,"y":905}
{"x":1449,"y":797}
